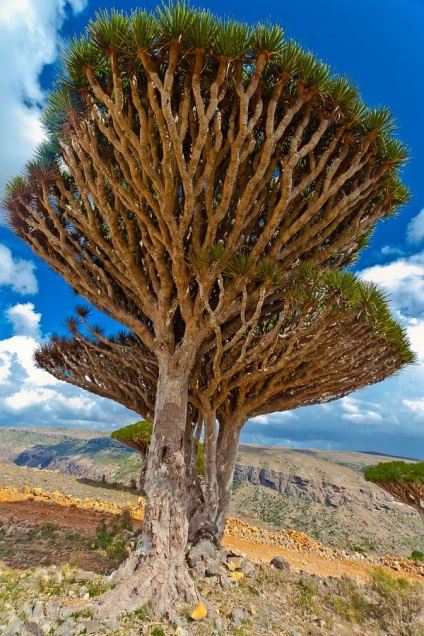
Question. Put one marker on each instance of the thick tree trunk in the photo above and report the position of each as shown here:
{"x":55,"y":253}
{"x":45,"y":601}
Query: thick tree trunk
{"x":157,"y":571}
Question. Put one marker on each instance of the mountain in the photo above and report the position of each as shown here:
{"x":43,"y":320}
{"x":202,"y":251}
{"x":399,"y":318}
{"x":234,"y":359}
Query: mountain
{"x":319,"y":492}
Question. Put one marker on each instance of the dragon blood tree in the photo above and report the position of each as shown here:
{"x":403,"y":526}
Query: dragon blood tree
{"x":332,"y":316}
{"x":138,"y":437}
{"x":404,"y":481}
{"x":191,"y":165}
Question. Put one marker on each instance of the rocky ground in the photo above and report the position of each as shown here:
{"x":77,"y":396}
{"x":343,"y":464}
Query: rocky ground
{"x":60,"y":538}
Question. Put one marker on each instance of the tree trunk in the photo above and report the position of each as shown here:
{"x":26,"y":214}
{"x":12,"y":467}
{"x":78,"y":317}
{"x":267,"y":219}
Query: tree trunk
{"x":156,"y":571}
{"x":208,"y":522}
{"x":228,"y":443}
{"x":142,"y":479}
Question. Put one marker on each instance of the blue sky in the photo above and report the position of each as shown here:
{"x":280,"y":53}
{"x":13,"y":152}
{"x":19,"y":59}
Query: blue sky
{"x":378,"y":44}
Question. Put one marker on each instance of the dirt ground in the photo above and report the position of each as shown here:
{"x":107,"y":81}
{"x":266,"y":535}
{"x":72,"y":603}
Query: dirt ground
{"x":70,"y":514}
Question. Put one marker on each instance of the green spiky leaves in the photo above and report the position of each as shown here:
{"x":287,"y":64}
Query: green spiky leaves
{"x":109,"y":31}
{"x":142,"y":430}
{"x":397,"y":472}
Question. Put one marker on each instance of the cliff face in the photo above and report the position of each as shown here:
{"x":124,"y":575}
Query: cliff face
{"x":320,"y":491}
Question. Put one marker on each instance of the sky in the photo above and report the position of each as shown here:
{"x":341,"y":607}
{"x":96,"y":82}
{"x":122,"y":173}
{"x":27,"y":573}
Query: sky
{"x":378,"y":44}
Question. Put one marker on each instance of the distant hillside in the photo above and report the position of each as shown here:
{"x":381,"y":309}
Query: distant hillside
{"x":319,"y":492}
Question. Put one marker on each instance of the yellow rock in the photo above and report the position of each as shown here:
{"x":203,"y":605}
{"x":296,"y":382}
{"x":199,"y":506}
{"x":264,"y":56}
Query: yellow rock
{"x":199,"y":613}
{"x":237,"y":575}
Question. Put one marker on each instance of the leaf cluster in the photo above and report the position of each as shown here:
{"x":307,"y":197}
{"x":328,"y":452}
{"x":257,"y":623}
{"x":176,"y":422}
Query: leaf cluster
{"x":396,"y":472}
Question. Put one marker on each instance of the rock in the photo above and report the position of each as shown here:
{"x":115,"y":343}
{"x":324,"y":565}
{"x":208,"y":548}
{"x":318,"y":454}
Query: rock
{"x":248,"y":567}
{"x":199,"y":569}
{"x":13,"y":629}
{"x":280,"y":563}
{"x":180,"y":631}
{"x":237,"y":576}
{"x":236,"y":561}
{"x":33,"y":629}
{"x":112,"y":623}
{"x":67,"y":628}
{"x":38,"y":610}
{"x":93,"y":627}
{"x":199,"y":613}
{"x":212,"y":568}
{"x":236,"y":616}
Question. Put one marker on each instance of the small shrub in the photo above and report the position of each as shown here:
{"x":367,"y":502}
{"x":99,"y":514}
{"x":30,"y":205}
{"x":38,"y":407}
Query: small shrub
{"x":417,"y":555}
{"x":398,"y":603}
{"x":350,"y":603}
{"x":117,"y":550}
{"x":95,"y":588}
{"x":307,"y":594}
{"x":357,"y":548}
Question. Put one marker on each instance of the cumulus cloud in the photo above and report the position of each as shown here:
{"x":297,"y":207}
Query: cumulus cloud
{"x":16,"y":273}
{"x":25,"y":320}
{"x":404,"y":280}
{"x":30,"y":396}
{"x":29,"y":40}
{"x":415,"y":230}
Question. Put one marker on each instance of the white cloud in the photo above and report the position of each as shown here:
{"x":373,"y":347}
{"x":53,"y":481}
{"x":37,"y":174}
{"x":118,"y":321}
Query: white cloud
{"x":415,"y":230}
{"x":17,"y":273}
{"x":30,"y":396}
{"x":415,"y":405}
{"x":389,"y":250}
{"x":404,"y":280}
{"x":24,"y":398}
{"x":25,"y":321}
{"x":29,"y":40}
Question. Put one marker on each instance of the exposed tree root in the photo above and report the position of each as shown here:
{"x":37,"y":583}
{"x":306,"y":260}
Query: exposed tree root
{"x":140,"y":581}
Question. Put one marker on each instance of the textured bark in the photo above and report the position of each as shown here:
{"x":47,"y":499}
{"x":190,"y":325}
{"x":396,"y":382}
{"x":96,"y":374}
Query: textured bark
{"x":157,"y":569}
{"x":408,"y":493}
{"x":228,"y":443}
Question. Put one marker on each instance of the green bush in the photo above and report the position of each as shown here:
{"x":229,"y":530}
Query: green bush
{"x":397,"y":604}
{"x":417,"y":555}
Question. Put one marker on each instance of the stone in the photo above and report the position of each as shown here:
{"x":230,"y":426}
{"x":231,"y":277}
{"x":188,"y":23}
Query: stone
{"x":219,"y":624}
{"x":237,"y":561}
{"x":236,"y":616}
{"x":199,"y":613}
{"x":200,"y":569}
{"x":248,"y":567}
{"x":38,"y":610}
{"x":33,"y":629}
{"x":13,"y":629}
{"x":94,"y":627}
{"x":180,"y":631}
{"x":67,"y":628}
{"x":237,"y":576}
{"x":280,"y":563}
{"x":112,"y":623}
{"x":212,"y":567}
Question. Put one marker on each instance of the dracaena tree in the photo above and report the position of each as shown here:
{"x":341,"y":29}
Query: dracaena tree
{"x":191,"y":164}
{"x":402,"y":480}
{"x":330,"y":316}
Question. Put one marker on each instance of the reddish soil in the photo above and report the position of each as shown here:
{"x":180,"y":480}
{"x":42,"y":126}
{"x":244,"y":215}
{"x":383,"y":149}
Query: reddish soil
{"x":66,"y":513}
